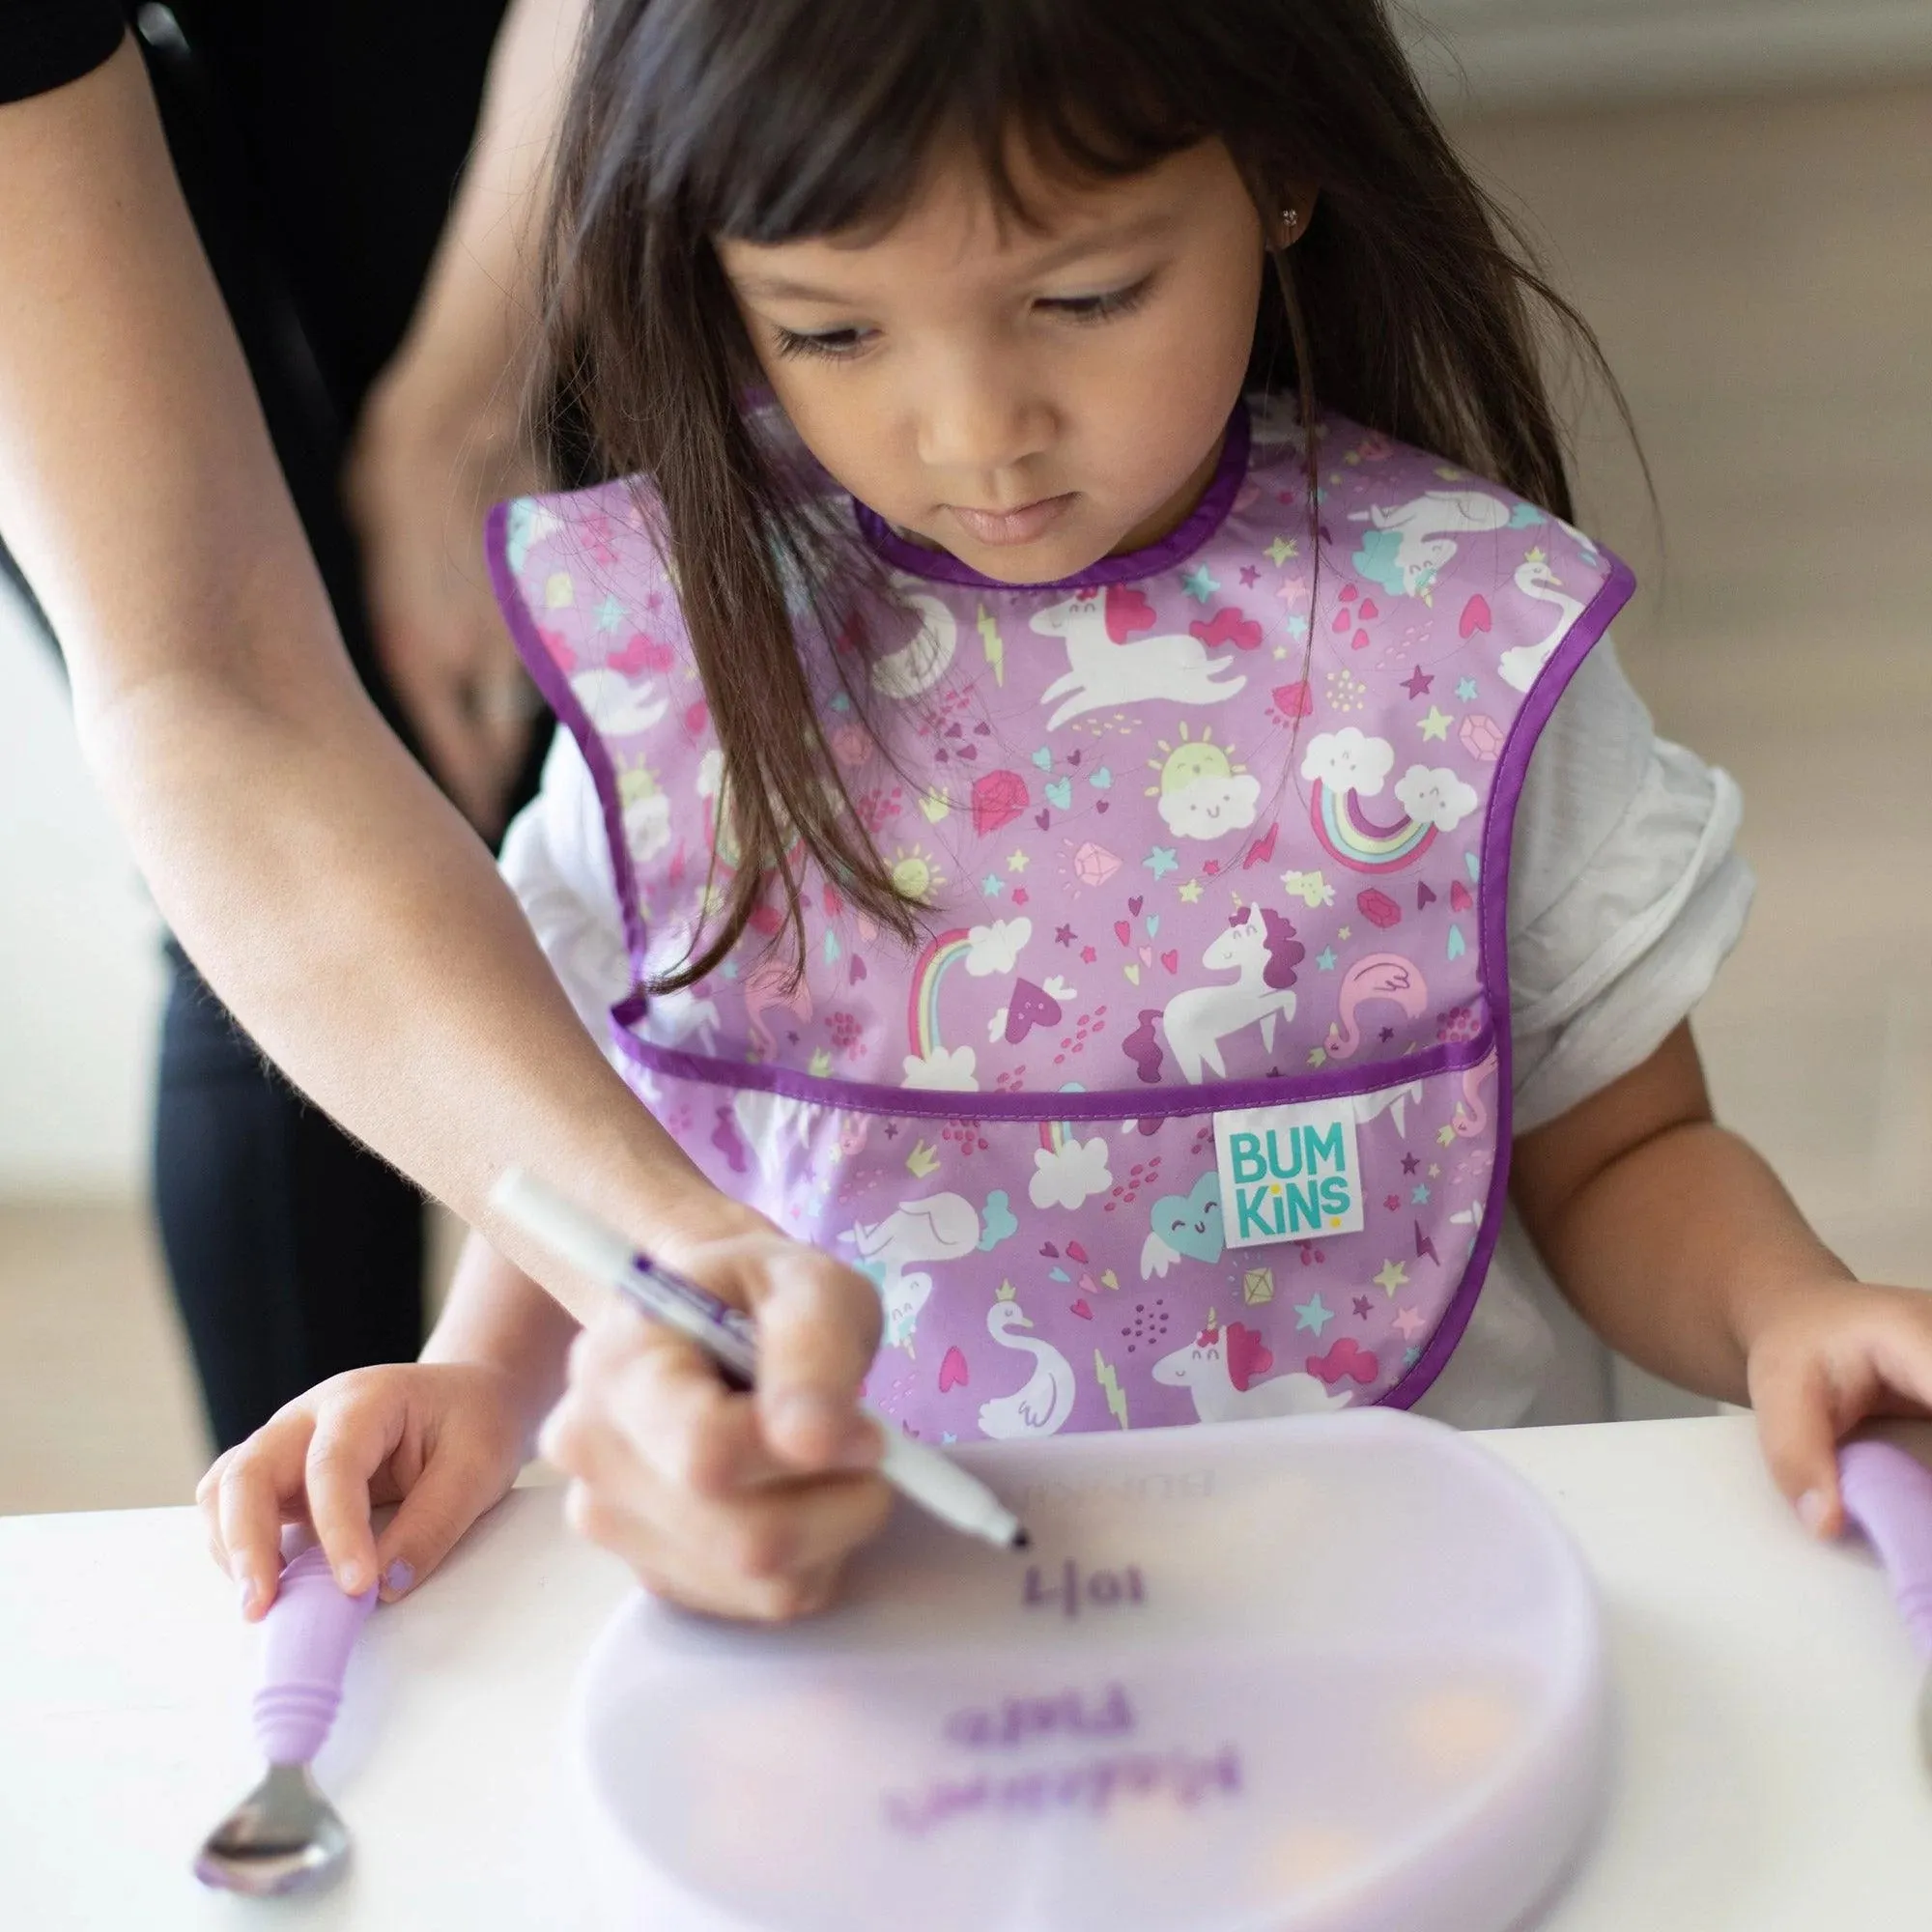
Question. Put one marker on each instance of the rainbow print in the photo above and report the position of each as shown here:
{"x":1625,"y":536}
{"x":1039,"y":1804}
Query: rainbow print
{"x":1054,"y":1135}
{"x":922,"y":1001}
{"x":1352,"y":839}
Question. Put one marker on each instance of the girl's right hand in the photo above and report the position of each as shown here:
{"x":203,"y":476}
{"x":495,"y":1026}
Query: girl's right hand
{"x":736,"y":1505}
{"x":444,"y":1439}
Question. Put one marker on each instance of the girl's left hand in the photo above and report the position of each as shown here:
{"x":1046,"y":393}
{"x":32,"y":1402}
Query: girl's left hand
{"x":1821,"y":1362}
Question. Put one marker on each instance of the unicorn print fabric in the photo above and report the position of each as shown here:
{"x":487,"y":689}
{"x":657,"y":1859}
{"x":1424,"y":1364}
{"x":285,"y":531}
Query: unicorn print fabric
{"x":1194,"y":1103}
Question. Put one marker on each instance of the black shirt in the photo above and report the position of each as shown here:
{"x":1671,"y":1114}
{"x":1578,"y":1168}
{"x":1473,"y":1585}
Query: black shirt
{"x":347,"y":120}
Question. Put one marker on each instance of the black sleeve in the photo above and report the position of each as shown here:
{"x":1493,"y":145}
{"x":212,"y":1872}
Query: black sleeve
{"x":45,"y":44}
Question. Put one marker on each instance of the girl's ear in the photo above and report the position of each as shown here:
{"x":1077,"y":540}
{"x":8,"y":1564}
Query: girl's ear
{"x":1287,"y":222}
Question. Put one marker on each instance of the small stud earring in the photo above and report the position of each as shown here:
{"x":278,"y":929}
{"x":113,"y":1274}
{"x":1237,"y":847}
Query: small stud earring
{"x":1290,"y":219}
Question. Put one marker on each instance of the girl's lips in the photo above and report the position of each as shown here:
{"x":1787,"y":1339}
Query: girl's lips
{"x":998,"y":528}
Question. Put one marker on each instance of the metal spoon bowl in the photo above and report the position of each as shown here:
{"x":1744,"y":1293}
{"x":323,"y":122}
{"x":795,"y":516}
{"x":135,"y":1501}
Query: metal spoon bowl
{"x":283,"y":1837}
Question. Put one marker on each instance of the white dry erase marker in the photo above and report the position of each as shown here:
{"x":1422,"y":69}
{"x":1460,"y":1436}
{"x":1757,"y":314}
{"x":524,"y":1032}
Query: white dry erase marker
{"x":727,"y":1335}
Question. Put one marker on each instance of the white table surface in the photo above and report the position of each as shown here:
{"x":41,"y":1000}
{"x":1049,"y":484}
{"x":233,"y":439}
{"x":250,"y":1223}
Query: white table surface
{"x":1767,"y":1779}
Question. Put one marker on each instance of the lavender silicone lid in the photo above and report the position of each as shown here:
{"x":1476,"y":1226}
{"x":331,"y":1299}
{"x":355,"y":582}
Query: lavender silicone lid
{"x":1341,"y":1673}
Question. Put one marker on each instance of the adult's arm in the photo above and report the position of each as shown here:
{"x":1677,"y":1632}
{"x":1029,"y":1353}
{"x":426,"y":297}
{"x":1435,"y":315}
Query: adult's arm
{"x":343,"y":910}
{"x":442,"y":434}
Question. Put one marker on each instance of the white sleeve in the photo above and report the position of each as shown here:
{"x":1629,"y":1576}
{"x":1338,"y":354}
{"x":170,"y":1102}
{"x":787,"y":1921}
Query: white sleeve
{"x":557,"y":860}
{"x":1626,"y":893}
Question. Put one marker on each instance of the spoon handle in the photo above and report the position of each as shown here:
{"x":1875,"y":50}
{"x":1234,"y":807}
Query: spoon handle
{"x":307,"y":1635}
{"x":1888,"y":1494}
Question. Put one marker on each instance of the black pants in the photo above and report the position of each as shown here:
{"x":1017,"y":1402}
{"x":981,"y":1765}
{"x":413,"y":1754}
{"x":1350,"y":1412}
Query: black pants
{"x":293,"y":1253}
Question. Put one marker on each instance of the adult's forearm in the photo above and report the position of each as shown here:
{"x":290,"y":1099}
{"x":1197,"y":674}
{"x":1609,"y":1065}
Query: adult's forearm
{"x":343,"y":910}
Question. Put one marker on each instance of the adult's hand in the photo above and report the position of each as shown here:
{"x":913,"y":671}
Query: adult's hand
{"x":418,"y":484}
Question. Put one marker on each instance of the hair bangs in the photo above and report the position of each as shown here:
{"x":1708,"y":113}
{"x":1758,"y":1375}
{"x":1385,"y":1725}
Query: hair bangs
{"x":731,"y":130}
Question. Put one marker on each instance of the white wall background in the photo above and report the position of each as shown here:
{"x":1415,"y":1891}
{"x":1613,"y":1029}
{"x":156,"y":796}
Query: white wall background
{"x":81,"y":974}
{"x":1533,"y":52}
{"x":79,"y":977}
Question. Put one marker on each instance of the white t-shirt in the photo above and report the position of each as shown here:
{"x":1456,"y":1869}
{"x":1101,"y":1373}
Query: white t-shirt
{"x":1626,"y":893}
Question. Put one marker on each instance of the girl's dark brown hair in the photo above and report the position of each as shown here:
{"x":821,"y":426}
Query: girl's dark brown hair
{"x":1410,"y":304}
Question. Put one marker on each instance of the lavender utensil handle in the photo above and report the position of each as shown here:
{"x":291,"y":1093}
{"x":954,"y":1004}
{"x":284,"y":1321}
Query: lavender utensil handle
{"x":307,"y":1635}
{"x":1888,"y":1494}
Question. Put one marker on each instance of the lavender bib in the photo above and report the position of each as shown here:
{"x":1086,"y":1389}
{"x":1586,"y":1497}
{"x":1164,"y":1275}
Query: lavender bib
{"x":1194,"y":1103}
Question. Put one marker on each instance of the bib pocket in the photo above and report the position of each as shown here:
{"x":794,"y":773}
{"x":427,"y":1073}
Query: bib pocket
{"x":1118,"y":1259}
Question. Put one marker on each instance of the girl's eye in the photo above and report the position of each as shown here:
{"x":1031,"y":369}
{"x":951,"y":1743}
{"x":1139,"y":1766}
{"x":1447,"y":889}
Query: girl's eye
{"x":836,"y":345}
{"x":1100,"y":308}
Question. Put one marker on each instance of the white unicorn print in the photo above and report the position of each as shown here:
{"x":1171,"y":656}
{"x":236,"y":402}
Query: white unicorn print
{"x":1220,"y":1368}
{"x":1407,"y":548}
{"x":1107,"y":664}
{"x":1264,"y":951}
{"x":1534,"y":578}
{"x":938,"y":1228}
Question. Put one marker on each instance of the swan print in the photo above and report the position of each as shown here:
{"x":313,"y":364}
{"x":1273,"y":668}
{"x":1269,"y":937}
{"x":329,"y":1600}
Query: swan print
{"x":1043,"y":1401}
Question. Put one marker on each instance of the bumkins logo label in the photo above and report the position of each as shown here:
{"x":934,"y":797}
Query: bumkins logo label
{"x":1289,"y":1174}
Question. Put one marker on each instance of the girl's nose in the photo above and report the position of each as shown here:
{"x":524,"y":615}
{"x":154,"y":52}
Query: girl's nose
{"x":976,"y":424}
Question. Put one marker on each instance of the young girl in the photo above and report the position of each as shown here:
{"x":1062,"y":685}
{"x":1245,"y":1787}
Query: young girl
{"x":1097,"y":815}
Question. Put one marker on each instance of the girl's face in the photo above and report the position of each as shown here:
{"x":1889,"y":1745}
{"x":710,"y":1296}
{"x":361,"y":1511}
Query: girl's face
{"x":1029,"y":401}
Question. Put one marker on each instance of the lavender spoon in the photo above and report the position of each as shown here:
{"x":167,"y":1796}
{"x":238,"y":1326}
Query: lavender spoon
{"x":1888,"y":1494}
{"x":284,"y":1835}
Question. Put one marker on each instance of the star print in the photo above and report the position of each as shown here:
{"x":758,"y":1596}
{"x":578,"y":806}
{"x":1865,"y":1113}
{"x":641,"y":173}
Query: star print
{"x":1407,"y":1323}
{"x":1063,"y":935}
{"x":1410,"y":1356}
{"x":1313,"y":1314}
{"x":1281,"y":550}
{"x":1325,"y":959}
{"x":1435,"y":1172}
{"x":1088,"y":955}
{"x":1436,"y":725}
{"x":1444,"y":1136}
{"x":1019,"y":896}
{"x":1345,"y":932}
{"x":1017,"y":862}
{"x":1417,"y":683}
{"x":1387,"y":1035}
{"x":1393,"y":1276}
{"x":1250,"y":577}
{"x":1199,"y":585}
{"x":1466,"y":689}
{"x":1160,"y":861}
{"x":1281,"y":650}
{"x":610,"y":614}
{"x":1190,"y":892}
{"x":1392,"y":1202}
{"x":892,"y":1131}
{"x":1317,"y":1055}
{"x":1362,"y":1307}
{"x":1409,"y":1163}
{"x":992,"y":885}
{"x":1420,"y":1198}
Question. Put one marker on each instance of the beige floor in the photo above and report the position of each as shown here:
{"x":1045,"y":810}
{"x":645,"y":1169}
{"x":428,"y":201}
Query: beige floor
{"x":1760,"y":275}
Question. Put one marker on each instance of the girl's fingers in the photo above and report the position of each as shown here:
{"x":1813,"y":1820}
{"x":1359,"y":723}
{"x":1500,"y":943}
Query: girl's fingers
{"x":1798,"y":1427}
{"x":455,"y":1488}
{"x":343,"y":1454}
{"x":248,"y":1499}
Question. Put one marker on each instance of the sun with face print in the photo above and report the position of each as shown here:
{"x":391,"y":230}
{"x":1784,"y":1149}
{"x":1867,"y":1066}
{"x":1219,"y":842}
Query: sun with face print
{"x":915,"y":875}
{"x":1203,"y":789}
